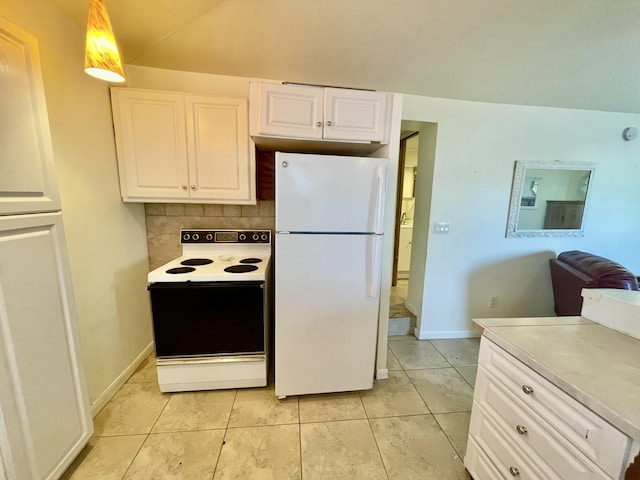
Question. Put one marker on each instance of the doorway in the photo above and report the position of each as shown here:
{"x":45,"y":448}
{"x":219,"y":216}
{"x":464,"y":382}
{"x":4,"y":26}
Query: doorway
{"x":406,"y":295}
{"x":402,"y":321}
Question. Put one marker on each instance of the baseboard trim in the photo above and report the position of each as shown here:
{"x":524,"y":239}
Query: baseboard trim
{"x":120,"y":380}
{"x":445,"y":334}
{"x":382,"y":374}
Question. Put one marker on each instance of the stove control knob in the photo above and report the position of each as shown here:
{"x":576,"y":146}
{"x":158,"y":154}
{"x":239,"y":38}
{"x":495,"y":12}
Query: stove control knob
{"x":263,"y":237}
{"x":196,"y":236}
{"x":243,"y":237}
{"x":186,"y":236}
{"x":255,"y":236}
{"x":209,"y":237}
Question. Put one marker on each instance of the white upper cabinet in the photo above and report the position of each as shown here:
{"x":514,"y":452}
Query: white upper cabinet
{"x":175,"y":147}
{"x":27,"y":177}
{"x":220,"y":166}
{"x":355,"y":115}
{"x":319,"y":113}
{"x":288,"y":111}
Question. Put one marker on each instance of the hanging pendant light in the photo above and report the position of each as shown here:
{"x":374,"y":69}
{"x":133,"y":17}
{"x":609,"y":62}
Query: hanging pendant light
{"x":101,"y":59}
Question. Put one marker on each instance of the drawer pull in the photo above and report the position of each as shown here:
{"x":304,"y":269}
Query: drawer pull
{"x":527,"y":389}
{"x":521,"y":429}
{"x":514,"y":471}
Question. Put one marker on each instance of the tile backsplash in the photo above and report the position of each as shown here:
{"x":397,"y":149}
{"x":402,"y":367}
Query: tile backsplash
{"x":164,"y":221}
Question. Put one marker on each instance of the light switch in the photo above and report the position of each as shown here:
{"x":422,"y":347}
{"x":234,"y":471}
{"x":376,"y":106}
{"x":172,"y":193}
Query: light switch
{"x":440,"y":227}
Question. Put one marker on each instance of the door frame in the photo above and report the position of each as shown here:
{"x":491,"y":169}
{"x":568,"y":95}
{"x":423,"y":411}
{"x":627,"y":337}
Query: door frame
{"x":396,"y":237}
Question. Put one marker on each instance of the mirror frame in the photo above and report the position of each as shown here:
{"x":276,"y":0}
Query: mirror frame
{"x":516,"y":193}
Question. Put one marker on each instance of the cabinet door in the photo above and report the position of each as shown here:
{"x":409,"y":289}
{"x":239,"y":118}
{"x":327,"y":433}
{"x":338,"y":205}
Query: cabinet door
{"x":27,"y":177}
{"x":151,"y":144}
{"x":404,"y":249}
{"x":220,"y":162}
{"x":355,"y":115}
{"x":43,"y":400}
{"x":291,"y":111}
{"x":563,"y":214}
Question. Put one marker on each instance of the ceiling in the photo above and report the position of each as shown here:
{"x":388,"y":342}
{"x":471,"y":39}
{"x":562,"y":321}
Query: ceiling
{"x":563,"y":53}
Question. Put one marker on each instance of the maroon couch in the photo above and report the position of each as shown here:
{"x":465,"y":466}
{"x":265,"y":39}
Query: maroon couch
{"x":574,"y":270}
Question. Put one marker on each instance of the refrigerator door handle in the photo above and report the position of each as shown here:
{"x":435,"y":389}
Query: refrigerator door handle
{"x":379,"y":213}
{"x":373,"y":288}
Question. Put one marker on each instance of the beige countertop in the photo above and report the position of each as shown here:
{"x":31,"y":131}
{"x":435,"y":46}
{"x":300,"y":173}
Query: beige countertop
{"x":596,"y":365}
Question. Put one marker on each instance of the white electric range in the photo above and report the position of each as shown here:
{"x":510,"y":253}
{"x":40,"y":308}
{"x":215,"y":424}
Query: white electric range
{"x":210,"y":311}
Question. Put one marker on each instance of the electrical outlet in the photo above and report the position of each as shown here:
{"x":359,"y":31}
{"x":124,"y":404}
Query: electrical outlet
{"x":493,"y":302}
{"x":441,"y":227}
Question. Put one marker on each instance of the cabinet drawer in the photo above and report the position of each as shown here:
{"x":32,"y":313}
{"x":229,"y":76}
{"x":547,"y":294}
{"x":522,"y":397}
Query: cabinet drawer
{"x":529,"y":432}
{"x":479,"y":465}
{"x":508,"y":459}
{"x":598,"y":440}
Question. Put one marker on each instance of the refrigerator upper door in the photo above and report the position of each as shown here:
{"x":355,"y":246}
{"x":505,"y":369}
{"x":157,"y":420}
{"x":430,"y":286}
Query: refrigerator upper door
{"x":323,"y":193}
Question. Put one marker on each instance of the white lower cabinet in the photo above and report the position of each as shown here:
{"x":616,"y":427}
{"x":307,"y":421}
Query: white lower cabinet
{"x":526,"y":427}
{"x":175,"y":147}
{"x":478,"y":463}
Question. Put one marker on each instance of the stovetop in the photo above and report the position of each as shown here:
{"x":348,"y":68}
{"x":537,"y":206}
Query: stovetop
{"x":218,"y":255}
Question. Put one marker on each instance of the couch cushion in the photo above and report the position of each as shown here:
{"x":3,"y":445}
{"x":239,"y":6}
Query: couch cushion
{"x":607,"y":273}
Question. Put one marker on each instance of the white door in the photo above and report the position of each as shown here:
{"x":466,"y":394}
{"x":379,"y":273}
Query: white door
{"x":323,"y":193}
{"x":326,"y":312}
{"x":43,"y":401}
{"x":404,"y":251}
{"x":355,"y":115}
{"x":291,"y":111}
{"x":151,"y":144}
{"x":27,"y":177}
{"x":218,"y":145}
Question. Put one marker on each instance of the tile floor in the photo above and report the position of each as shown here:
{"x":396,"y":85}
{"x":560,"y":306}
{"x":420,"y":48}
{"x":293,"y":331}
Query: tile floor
{"x":411,"y":426}
{"x":401,"y":320}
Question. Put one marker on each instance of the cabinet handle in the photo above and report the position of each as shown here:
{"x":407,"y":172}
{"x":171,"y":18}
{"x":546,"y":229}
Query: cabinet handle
{"x":521,"y":429}
{"x":329,"y":123}
{"x":184,"y":187}
{"x":193,"y":187}
{"x":285,"y":164}
{"x":318,"y":124}
{"x":527,"y":389}
{"x":514,"y":471}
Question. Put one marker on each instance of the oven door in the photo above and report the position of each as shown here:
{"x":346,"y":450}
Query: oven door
{"x":196,"y":319}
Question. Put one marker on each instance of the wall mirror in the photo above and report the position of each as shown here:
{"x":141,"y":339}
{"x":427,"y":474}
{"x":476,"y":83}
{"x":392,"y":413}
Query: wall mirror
{"x":548,"y":199}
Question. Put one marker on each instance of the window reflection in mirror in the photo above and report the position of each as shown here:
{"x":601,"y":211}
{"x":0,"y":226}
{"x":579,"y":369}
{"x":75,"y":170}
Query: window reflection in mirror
{"x":549,"y":199}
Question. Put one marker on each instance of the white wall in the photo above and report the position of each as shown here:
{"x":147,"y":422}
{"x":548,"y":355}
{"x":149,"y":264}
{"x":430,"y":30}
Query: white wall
{"x":191,"y":82}
{"x":428,"y":134}
{"x":106,"y":238}
{"x":477,"y":145}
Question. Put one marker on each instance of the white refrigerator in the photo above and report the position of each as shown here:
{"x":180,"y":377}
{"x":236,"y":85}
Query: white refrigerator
{"x":329,"y":237}
{"x":45,"y":418}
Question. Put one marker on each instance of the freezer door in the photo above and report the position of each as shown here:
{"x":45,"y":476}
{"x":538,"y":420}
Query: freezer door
{"x":323,"y":193}
{"x":326,"y":312}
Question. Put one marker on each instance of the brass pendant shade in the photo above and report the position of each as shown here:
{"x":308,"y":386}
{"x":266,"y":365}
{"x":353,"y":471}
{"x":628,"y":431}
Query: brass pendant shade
{"x":101,"y":59}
